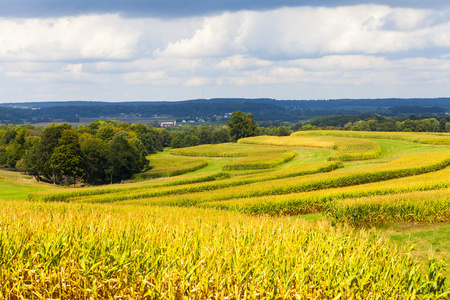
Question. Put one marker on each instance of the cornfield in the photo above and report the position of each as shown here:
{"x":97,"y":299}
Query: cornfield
{"x":416,"y":137}
{"x":74,"y":251}
{"x":173,"y":166}
{"x":347,"y":149}
{"x":232,"y":232}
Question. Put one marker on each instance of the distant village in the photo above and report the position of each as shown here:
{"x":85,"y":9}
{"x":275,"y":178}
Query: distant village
{"x":190,"y":120}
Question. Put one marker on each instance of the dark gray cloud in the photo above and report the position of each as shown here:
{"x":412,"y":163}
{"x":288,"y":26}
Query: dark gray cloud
{"x":176,"y":8}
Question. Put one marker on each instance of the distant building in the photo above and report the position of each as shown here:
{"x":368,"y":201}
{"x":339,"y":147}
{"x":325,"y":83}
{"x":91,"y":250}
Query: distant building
{"x":168,"y":124}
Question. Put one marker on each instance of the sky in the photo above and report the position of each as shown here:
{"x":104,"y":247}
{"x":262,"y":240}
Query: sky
{"x":145,"y":50}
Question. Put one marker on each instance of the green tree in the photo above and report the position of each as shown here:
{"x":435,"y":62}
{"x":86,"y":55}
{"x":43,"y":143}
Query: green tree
{"x":165,"y":137}
{"x":242,"y":125}
{"x":124,"y":158}
{"x":148,"y":136}
{"x":95,"y":160}
{"x":67,"y":158}
{"x":49,"y":142}
{"x":220,"y":135}
{"x":181,"y":139}
{"x":33,"y":160}
{"x":106,"y":133}
{"x":282,"y":131}
{"x":442,"y":124}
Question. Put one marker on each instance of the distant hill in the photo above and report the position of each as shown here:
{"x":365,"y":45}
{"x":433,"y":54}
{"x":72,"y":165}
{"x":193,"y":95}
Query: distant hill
{"x":263,"y":109}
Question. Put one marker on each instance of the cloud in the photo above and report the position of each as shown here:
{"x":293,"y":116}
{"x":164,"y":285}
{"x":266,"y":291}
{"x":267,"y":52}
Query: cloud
{"x":197,"y":81}
{"x":150,"y":78}
{"x":178,"y":8}
{"x":217,"y":36}
{"x":288,"y":52}
{"x":298,"y":32}
{"x":71,"y":38}
{"x":242,"y":62}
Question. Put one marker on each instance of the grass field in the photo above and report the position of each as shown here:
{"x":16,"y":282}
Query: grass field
{"x":314,"y":224}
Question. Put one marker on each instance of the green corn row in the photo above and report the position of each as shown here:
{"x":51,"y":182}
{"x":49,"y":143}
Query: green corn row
{"x":315,"y":201}
{"x":356,"y":150}
{"x":172,"y":171}
{"x":219,"y":150}
{"x":263,"y":160}
{"x":253,"y":157}
{"x":425,"y":207}
{"x":213,"y":188}
{"x":102,"y":190}
{"x":251,"y":187}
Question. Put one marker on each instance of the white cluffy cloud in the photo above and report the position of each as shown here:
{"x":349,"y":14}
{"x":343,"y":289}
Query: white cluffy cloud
{"x":320,"y":51}
{"x":68,"y":38}
{"x":296,"y":32}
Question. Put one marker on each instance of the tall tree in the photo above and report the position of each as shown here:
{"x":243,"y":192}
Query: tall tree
{"x":95,"y":159}
{"x":49,"y":142}
{"x":67,"y":158}
{"x":33,"y":160}
{"x":124,"y":158}
{"x":242,"y":125}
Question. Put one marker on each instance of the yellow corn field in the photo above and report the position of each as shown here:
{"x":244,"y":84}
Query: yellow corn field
{"x":416,"y":137}
{"x":75,"y":251}
{"x":225,"y":224}
{"x":347,"y":149}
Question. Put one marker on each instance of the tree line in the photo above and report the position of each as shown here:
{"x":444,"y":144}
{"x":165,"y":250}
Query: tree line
{"x":104,"y":151}
{"x":111,"y":151}
{"x":371,"y":122}
{"x":98,"y":153}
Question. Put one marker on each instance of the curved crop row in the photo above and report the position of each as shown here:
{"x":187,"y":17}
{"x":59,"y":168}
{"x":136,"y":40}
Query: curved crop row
{"x":193,"y":195}
{"x":261,"y":160}
{"x":347,"y":149}
{"x":171,"y":166}
{"x":356,"y":149}
{"x":219,"y":150}
{"x":213,"y":188}
{"x":421,"y":138}
{"x":315,"y":201}
{"x":102,"y":190}
{"x":254,"y":158}
{"x":428,"y":206}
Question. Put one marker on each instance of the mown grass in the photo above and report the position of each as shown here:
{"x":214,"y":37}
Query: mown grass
{"x":17,"y":186}
{"x":422,"y":241}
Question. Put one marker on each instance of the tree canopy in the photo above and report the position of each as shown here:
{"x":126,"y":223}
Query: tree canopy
{"x":242,"y":125}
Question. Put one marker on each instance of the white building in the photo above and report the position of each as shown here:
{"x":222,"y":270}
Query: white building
{"x":168,"y":124}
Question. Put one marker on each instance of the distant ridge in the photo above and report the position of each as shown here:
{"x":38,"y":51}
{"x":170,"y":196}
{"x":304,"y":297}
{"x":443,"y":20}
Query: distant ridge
{"x":263,"y":109}
{"x":363,"y":102}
